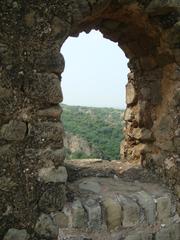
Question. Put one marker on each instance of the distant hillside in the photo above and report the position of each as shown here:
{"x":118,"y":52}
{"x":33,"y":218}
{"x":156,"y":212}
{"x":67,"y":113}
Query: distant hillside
{"x":78,"y":147}
{"x":100,"y":130}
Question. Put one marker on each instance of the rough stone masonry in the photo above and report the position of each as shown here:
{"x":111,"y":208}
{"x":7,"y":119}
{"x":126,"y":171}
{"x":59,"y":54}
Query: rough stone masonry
{"x":32,"y":175}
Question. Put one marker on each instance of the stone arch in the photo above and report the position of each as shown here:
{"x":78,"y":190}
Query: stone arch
{"x":143,"y":30}
{"x":32,"y":173}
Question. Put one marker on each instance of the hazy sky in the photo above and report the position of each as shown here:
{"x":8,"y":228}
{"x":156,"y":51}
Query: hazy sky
{"x":95,"y":72}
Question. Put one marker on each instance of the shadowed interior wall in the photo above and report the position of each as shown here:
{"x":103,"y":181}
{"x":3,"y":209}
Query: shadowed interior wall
{"x":31,"y":133}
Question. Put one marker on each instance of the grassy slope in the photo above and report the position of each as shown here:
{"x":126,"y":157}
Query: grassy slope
{"x":101,"y":127}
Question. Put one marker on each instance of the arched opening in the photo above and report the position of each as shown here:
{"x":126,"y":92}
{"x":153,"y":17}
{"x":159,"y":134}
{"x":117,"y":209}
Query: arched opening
{"x":95,"y":77}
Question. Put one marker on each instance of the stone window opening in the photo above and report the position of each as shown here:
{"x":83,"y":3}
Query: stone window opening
{"x":95,"y":75}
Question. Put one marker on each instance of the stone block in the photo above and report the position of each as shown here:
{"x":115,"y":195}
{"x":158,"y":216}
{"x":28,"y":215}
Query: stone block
{"x":15,"y":234}
{"x":51,"y":61}
{"x":113,"y":214}
{"x":90,"y":186}
{"x":53,"y":174}
{"x":130,"y":94}
{"x":45,"y":88}
{"x":52,"y":112}
{"x":13,"y":131}
{"x":60,"y":219}
{"x":163,"y":209}
{"x":45,"y":227}
{"x":128,"y":114}
{"x":147,"y":203}
{"x":59,"y":27}
{"x":142,"y":134}
{"x":79,"y":219}
{"x":53,"y":198}
{"x":131,"y":212}
{"x":46,"y":131}
{"x":94,"y":214}
{"x":50,"y":157}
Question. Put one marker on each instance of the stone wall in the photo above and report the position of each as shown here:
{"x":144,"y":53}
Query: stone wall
{"x":32,"y":176}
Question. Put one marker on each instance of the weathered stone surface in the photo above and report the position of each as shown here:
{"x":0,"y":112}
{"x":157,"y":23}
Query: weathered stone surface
{"x":60,"y":219}
{"x":142,"y":134}
{"x":163,"y":235}
{"x":163,"y":209}
{"x":177,"y":96}
{"x":163,"y":133}
{"x":31,"y":37}
{"x":53,"y":198}
{"x":171,"y":232}
{"x":79,"y":219}
{"x":90,"y":186}
{"x":147,"y":203}
{"x":7,"y":183}
{"x":177,"y":144}
{"x":113,"y":213}
{"x":159,"y":7}
{"x":14,"y":131}
{"x":139,"y":236}
{"x":51,"y":61}
{"x":177,"y":132}
{"x":46,"y":131}
{"x":176,"y":74}
{"x":30,"y":18}
{"x":51,"y":157}
{"x":53,"y":112}
{"x":53,"y":174}
{"x":128,"y":115}
{"x":45,"y":88}
{"x":143,"y":120}
{"x":94,"y":214}
{"x":175,"y":231}
{"x":146,"y":93}
{"x":45,"y":227}
{"x":13,"y":234}
{"x":177,"y":189}
{"x":130,"y":94}
{"x":131,"y":212}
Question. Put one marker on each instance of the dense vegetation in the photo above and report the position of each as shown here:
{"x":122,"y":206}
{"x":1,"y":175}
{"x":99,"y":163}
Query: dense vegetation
{"x":101,"y":127}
